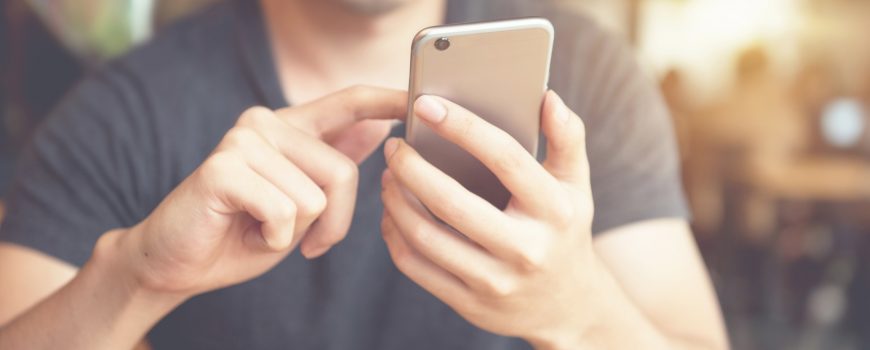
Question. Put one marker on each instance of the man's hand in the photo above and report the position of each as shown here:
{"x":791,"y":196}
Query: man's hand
{"x":528,"y":271}
{"x":275,"y":180}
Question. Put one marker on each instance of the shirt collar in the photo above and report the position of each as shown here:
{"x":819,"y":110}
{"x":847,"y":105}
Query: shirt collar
{"x":256,"y":52}
{"x":253,"y":46}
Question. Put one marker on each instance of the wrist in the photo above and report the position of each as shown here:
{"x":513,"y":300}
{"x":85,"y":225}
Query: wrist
{"x":608,"y":320}
{"x":118,"y":254}
{"x":582,"y":318}
{"x":111,"y":308}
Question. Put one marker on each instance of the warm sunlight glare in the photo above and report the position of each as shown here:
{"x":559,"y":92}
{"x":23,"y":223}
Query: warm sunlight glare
{"x":702,"y":36}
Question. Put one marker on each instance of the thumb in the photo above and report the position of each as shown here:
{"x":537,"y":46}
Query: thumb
{"x":566,"y":142}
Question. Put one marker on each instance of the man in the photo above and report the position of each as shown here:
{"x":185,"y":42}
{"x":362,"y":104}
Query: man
{"x":156,"y":202}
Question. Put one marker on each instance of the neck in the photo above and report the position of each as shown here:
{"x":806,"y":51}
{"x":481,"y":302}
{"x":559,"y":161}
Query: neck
{"x":320,"y":46}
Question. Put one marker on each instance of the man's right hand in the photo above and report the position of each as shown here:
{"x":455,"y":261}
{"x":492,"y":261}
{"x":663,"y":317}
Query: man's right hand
{"x":275,"y":180}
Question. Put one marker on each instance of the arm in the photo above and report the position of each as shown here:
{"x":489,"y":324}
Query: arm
{"x":101,"y":307}
{"x":532,"y":270}
{"x":659,"y":278}
{"x":18,"y":266}
{"x":271,"y":184}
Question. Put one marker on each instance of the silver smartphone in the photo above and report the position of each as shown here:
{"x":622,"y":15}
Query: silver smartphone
{"x":499,"y":71}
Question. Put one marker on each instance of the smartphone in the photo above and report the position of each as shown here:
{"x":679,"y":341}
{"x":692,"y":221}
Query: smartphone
{"x":498,"y":70}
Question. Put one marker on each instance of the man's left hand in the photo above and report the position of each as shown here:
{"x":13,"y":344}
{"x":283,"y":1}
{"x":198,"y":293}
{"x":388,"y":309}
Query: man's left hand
{"x":527,"y":271}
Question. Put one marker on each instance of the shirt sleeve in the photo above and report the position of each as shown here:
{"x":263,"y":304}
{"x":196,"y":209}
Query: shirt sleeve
{"x":78,"y":177}
{"x":630,"y":139}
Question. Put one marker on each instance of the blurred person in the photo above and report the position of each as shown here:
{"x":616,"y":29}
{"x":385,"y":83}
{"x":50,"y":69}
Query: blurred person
{"x":756,"y":135}
{"x":743,"y":132}
{"x":156,"y":202}
{"x":104,"y":29}
{"x":35,"y":72}
{"x":806,"y":150}
{"x":98,"y":31}
{"x":50,"y":44}
{"x":167,"y":12}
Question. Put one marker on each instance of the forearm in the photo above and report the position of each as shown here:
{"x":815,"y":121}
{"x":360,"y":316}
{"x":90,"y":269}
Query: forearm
{"x":103,"y":307}
{"x":620,"y":324}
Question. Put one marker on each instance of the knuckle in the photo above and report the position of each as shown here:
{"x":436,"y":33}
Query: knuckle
{"x":254,"y":116}
{"x":401,"y":257}
{"x":387,"y":228}
{"x":216,"y":172}
{"x":500,"y":287}
{"x":353,"y":97}
{"x":345,"y":172}
{"x":313,"y":205}
{"x":318,"y":203}
{"x":451,"y":208}
{"x":286,"y":210}
{"x":238,"y":137}
{"x":532,"y":257}
{"x":562,"y":211}
{"x":358,"y":92}
{"x":219,"y":163}
{"x":385,"y":225}
{"x":510,"y":160}
{"x":563,"y":145}
{"x":421,"y":233}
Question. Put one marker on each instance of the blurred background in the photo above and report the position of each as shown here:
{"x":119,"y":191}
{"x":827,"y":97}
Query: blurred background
{"x":770,"y":100}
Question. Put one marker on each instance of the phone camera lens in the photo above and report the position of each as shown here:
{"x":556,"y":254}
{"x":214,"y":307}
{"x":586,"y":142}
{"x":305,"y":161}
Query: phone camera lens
{"x":442,"y":44}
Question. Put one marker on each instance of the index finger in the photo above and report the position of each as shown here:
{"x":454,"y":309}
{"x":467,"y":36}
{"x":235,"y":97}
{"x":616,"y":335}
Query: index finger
{"x":337,"y":111}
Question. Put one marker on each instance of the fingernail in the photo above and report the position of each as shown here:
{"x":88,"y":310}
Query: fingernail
{"x":314,"y":253}
{"x":559,"y":107}
{"x":390,"y":147}
{"x":430,"y":109}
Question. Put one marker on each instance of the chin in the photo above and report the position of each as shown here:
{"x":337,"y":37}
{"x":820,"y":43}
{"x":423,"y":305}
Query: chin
{"x":372,"y":7}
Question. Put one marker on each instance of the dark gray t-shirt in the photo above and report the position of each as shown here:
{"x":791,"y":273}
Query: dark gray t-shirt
{"x":134,"y":129}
